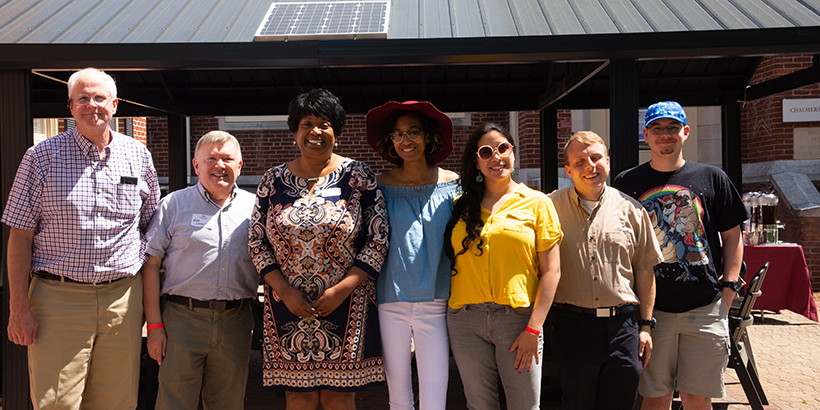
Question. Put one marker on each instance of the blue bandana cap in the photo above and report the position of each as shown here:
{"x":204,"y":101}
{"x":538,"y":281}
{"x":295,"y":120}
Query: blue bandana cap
{"x":665,"y":109}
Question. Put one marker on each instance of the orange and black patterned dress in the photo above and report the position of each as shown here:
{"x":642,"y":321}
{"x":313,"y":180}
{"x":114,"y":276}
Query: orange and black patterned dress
{"x":314,"y":238}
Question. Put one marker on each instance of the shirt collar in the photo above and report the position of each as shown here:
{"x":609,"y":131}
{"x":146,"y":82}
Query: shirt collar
{"x":206,"y":197}
{"x":577,"y":199}
{"x":520,"y":189}
{"x":87,"y":147}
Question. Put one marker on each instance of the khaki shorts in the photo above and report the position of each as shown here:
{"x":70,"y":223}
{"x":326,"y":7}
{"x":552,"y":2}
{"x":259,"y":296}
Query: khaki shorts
{"x":690,"y":353}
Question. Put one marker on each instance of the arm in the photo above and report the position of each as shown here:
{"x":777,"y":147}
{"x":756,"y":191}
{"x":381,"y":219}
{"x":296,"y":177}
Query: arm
{"x":262,"y":253}
{"x":151,"y":197}
{"x":732,"y":259}
{"x":22,"y":328}
{"x":150,"y":299}
{"x":645,"y":288}
{"x":549,"y":264}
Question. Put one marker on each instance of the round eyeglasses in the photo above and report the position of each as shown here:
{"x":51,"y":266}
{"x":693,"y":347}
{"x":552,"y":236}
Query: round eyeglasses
{"x":413,"y":135}
{"x":83,"y":100}
{"x":486,"y":152}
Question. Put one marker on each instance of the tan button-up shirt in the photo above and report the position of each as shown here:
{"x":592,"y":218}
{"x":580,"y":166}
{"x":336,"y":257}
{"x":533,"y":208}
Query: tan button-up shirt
{"x":601,"y":251}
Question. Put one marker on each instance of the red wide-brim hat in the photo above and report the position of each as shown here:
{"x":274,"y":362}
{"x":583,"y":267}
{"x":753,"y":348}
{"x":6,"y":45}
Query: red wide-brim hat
{"x":376,"y":117}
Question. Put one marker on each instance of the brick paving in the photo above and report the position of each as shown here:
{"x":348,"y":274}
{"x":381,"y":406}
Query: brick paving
{"x":787,"y":352}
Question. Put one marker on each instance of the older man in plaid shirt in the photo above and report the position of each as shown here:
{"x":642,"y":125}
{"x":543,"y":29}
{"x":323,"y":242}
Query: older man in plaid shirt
{"x":78,"y":210}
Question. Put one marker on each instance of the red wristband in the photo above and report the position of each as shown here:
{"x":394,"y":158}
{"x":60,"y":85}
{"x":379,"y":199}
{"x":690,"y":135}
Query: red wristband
{"x":153,"y":326}
{"x":532,"y":331}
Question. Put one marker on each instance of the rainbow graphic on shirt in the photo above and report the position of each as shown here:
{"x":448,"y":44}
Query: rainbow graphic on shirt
{"x":677,"y":217}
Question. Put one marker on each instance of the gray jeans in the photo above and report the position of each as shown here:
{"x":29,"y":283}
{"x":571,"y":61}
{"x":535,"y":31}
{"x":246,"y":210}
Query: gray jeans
{"x":480,"y":337}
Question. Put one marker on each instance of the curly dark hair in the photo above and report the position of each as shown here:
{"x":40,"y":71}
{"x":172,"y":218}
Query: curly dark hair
{"x":320,"y":103}
{"x":433,"y":144}
{"x":468,"y":206}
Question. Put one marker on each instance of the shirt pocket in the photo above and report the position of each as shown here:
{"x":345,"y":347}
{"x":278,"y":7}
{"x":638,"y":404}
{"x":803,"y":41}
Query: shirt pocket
{"x":519,"y":223}
{"x":616,"y":246}
{"x":128,"y":199}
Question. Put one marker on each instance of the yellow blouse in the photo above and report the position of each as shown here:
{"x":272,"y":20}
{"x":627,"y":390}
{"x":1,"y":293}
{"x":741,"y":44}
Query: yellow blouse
{"x":506,"y":272}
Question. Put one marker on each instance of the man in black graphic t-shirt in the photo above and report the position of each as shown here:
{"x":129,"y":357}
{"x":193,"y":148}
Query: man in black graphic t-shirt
{"x":694,"y":208}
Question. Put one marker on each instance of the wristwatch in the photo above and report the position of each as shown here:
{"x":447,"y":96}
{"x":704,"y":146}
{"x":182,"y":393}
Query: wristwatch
{"x":651,"y":322}
{"x":733,"y":285}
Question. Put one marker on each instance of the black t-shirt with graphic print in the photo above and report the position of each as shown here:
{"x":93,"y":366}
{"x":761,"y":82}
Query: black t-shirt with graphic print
{"x":689,"y":207}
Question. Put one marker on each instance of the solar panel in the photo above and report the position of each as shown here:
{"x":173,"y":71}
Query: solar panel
{"x":322,"y":20}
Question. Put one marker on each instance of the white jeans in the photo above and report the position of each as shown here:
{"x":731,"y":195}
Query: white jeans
{"x":426,"y":323}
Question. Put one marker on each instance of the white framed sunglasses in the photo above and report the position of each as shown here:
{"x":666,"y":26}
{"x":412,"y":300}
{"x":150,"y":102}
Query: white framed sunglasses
{"x":503,"y":149}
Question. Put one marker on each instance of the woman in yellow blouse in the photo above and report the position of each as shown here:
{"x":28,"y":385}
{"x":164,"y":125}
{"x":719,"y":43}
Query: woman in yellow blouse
{"x":503,"y":244}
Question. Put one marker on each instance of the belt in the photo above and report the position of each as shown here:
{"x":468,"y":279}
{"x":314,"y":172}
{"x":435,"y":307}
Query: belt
{"x":215,"y":305}
{"x":50,"y":276}
{"x":599,"y":312}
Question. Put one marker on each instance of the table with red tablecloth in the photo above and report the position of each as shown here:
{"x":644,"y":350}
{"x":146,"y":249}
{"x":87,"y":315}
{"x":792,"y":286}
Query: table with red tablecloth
{"x":787,"y":284}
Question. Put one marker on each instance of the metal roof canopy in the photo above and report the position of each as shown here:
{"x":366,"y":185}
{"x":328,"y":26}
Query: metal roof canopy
{"x":480,"y":74}
{"x":175,"y":58}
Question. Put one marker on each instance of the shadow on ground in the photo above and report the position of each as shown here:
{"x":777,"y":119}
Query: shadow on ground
{"x":376,"y":397}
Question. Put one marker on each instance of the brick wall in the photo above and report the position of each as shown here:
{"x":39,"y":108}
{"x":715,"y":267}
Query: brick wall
{"x":564,"y":132}
{"x":140,"y":130}
{"x":766,"y":138}
{"x":262,"y":149}
{"x":529,"y":137}
{"x":156,"y":136}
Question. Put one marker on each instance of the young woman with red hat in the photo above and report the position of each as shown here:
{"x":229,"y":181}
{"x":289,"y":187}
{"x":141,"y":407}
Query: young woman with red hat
{"x":414,"y":283}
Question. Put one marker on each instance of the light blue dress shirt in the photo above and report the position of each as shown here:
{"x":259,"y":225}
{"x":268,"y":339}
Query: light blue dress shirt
{"x":204,"y":246}
{"x":416,"y":269}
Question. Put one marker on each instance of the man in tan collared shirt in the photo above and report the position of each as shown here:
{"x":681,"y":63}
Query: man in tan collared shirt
{"x":603,"y":317}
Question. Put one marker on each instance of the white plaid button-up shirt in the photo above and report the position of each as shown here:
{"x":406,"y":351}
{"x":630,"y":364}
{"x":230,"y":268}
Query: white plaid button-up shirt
{"x":88,"y":214}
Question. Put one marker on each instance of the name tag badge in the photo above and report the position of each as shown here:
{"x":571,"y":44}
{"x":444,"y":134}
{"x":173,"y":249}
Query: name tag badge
{"x":126,"y":180}
{"x":199,"y":219}
{"x":332,"y":192}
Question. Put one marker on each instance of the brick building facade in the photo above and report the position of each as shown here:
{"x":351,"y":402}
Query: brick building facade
{"x":766,"y":138}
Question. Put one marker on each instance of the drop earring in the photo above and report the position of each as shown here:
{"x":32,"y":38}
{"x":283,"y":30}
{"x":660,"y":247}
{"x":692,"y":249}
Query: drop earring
{"x":479,"y":178}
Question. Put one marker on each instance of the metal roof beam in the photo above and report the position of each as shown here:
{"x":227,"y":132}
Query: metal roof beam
{"x":570,"y":83}
{"x":797,"y":79}
{"x":600,"y":100}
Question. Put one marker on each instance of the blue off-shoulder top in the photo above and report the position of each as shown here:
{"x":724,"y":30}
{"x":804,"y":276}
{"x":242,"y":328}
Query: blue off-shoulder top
{"x":416,"y":269}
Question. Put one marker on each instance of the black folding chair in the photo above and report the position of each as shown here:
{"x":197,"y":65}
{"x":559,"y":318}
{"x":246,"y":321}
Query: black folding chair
{"x":742,"y":357}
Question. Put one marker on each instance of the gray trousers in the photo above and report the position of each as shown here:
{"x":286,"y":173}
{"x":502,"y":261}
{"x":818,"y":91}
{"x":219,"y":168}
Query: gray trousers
{"x":480,"y":337}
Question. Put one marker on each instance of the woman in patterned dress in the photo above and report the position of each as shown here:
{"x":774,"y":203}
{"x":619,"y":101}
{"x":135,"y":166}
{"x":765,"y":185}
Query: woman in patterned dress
{"x":318,"y":238}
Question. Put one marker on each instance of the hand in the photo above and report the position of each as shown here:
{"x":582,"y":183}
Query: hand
{"x":22,"y":327}
{"x":527,"y":345}
{"x":156,"y":344}
{"x":297,"y":302}
{"x":328,"y":301}
{"x":728,"y":296}
{"x":644,"y":346}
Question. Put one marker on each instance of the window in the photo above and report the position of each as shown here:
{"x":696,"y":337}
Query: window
{"x":44,"y":128}
{"x":253,"y":122}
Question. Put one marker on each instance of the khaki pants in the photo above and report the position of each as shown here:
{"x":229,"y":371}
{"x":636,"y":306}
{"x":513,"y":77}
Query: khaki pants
{"x":206,"y":352}
{"x":87,"y":348}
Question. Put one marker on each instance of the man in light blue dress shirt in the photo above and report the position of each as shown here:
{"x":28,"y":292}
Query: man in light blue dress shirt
{"x":201,"y":332}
